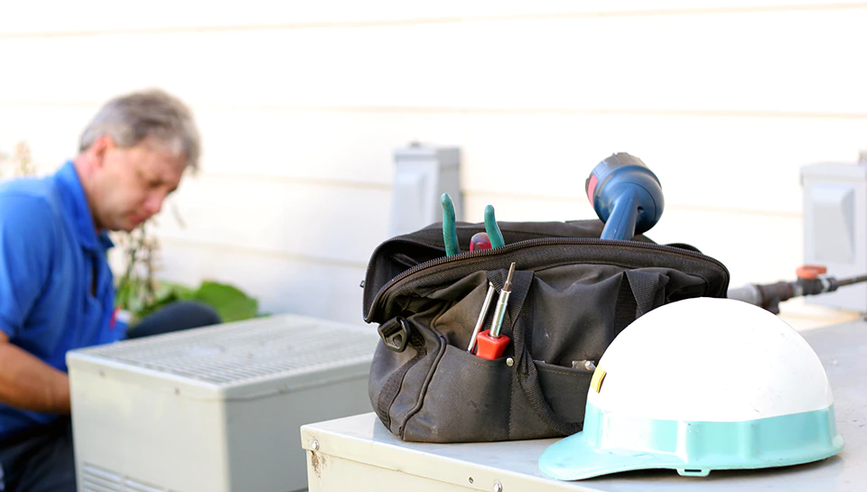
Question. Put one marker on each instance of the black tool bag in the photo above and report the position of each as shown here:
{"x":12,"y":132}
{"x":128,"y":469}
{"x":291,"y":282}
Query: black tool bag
{"x":572,"y":293}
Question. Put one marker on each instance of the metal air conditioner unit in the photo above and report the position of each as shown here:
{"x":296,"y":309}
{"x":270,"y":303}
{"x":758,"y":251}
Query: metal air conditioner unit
{"x":213,"y":409}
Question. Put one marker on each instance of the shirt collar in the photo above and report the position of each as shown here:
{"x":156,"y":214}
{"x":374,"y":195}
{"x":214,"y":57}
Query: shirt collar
{"x":78,"y":211}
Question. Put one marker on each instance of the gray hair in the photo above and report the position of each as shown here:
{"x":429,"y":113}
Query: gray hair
{"x":152,"y":115}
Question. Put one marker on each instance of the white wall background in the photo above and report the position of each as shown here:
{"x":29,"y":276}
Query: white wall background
{"x":301,"y":105}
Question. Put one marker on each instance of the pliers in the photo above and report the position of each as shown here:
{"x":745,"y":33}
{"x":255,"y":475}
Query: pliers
{"x":450,"y":232}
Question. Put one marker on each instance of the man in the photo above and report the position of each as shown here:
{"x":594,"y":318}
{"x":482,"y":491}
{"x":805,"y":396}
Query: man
{"x":56,"y":289}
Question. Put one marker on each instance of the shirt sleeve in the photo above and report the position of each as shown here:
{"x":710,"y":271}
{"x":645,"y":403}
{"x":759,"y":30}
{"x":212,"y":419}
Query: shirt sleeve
{"x":26,"y":242}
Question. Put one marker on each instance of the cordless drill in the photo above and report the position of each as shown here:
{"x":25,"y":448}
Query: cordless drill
{"x":626,"y":196}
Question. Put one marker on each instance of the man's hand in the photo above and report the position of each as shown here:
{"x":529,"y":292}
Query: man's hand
{"x":30,"y":384}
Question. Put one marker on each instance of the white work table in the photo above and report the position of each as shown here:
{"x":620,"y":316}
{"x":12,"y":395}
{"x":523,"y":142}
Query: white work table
{"x":358,"y":453}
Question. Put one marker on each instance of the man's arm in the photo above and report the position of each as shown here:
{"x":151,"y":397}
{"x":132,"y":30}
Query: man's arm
{"x":26,"y":382}
{"x":30,"y":384}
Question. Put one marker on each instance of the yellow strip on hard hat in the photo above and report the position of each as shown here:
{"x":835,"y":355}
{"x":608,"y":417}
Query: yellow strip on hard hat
{"x":596,"y":380}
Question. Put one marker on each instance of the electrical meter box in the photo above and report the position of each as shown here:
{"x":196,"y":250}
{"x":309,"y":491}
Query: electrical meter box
{"x":835,"y":228}
{"x":422,"y":175}
{"x":213,"y":409}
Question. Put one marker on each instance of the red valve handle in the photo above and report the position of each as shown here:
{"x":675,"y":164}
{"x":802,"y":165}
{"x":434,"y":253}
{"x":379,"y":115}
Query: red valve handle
{"x":810,"y":272}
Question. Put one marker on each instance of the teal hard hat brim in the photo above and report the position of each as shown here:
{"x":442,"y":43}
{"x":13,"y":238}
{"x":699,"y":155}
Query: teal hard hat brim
{"x":693,"y":448}
{"x":573,"y":459}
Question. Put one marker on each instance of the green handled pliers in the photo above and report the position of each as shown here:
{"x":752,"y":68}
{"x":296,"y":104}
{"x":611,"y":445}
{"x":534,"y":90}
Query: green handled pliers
{"x":450,"y":231}
{"x":493,"y":229}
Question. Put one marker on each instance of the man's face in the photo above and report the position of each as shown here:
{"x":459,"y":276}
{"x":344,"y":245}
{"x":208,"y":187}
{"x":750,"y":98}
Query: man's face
{"x":132,"y":183}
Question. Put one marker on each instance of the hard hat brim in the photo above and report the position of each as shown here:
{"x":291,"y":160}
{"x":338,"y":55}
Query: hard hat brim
{"x":573,"y":458}
{"x":694,"y":448}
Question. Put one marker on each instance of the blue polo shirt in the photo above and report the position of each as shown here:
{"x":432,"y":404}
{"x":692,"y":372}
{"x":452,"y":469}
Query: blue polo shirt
{"x":56,"y":289}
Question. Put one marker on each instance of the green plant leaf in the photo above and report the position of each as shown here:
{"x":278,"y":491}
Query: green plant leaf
{"x":176,"y":290}
{"x":230,"y":302}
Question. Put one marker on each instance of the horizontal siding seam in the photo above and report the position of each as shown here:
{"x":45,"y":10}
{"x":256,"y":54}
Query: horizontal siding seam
{"x":469,"y":111}
{"x":440,"y":20}
{"x":580,"y":199}
{"x":168,"y":240}
{"x":297,"y":180}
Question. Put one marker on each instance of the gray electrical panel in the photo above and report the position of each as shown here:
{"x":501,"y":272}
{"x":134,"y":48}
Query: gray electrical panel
{"x":422,"y":174}
{"x":835,"y":228}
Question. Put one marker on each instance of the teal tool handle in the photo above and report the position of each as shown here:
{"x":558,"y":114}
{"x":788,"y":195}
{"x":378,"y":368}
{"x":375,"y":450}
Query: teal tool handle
{"x":492,"y":228}
{"x":450,"y":231}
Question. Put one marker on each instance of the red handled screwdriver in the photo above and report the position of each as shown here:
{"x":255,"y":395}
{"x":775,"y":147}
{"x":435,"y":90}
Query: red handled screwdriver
{"x":490,"y":344}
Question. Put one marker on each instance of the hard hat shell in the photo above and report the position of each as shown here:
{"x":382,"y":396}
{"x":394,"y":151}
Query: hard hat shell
{"x":699,"y":385}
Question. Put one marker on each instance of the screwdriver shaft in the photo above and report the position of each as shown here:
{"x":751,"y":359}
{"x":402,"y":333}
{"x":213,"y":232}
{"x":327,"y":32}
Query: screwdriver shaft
{"x":502,"y":301}
{"x":485,"y":306}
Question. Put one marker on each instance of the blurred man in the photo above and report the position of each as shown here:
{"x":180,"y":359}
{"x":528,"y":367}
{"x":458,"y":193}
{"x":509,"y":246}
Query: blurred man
{"x":56,"y":289}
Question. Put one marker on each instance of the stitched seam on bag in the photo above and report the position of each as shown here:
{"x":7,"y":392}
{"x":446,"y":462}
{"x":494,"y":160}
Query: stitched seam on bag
{"x":441,"y":350}
{"x":555,"y":369}
{"x":511,"y":399}
{"x":526,"y":304}
{"x":516,"y":372}
{"x":541,"y":408}
{"x":424,"y":386}
{"x":391,"y":389}
{"x":525,"y":311}
{"x":478,"y":361}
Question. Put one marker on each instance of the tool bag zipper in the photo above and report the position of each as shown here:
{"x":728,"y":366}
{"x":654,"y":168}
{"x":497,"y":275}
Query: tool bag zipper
{"x":470,"y":262}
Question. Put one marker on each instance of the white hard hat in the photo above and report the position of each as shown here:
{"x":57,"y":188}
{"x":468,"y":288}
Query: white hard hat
{"x":699,"y":385}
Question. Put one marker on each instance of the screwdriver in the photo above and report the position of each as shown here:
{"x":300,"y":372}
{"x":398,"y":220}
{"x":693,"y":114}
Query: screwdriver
{"x":488,"y":296}
{"x":490,"y":344}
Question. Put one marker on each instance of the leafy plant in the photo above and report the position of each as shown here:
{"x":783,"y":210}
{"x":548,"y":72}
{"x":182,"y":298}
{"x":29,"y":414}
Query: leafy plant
{"x":231,"y":303}
{"x":21,"y":159}
{"x":136,"y":288}
{"x":140,"y":293}
{"x":24,"y":160}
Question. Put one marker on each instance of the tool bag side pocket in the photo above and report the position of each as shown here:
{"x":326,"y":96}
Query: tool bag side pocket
{"x":461,"y":392}
{"x":469,"y":398}
{"x":397,"y":378}
{"x":466,"y":400}
{"x":564,"y":389}
{"x":433,"y":320}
